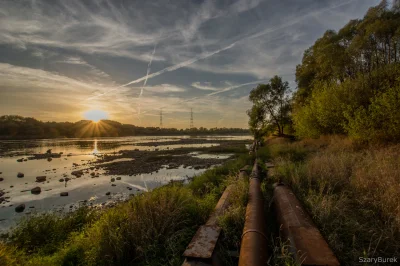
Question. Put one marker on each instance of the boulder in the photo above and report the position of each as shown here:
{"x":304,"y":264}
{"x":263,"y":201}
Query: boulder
{"x":113,"y":185}
{"x":20,"y":208}
{"x":1,"y":179}
{"x":41,"y":178}
{"x":20,"y":175}
{"x":20,"y":160}
{"x":112,"y":179}
{"x":36,"y":190}
{"x":108,"y":193}
{"x":64,"y":194}
{"x":118,"y":178}
{"x":49,"y":159}
{"x":61,"y":180}
{"x":77,"y":173}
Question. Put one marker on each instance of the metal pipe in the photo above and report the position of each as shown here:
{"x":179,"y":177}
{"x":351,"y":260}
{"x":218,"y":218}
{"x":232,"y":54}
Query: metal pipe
{"x":243,"y":172}
{"x":253,"y":250}
{"x":306,"y":242}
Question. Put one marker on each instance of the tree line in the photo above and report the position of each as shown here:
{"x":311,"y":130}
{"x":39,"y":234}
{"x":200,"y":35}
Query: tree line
{"x":18,"y":127}
{"x":347,"y":83}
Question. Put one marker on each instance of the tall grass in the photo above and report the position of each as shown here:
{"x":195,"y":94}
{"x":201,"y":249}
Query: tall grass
{"x":150,"y":229}
{"x":351,"y":192}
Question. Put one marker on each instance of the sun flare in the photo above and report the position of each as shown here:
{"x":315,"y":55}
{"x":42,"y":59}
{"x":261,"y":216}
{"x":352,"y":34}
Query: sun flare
{"x":95,"y":115}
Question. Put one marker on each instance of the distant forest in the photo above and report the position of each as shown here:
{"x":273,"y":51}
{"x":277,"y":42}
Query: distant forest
{"x":18,"y":127}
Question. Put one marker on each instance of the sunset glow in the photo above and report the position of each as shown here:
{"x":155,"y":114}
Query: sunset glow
{"x":95,"y":115}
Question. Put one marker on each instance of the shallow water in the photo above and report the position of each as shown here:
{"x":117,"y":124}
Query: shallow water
{"x":83,"y":152}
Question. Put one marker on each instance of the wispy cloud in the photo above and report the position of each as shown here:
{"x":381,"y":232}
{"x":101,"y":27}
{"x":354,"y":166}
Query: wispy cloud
{"x":78,"y":55}
{"x":204,"y":86}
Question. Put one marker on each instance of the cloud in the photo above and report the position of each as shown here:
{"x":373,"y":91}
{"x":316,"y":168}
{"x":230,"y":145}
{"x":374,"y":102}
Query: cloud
{"x":164,"y":88}
{"x":204,"y":86}
{"x":78,"y":55}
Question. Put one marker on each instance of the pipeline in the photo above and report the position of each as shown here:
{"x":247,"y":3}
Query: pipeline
{"x":253,"y":250}
{"x":306,"y":242}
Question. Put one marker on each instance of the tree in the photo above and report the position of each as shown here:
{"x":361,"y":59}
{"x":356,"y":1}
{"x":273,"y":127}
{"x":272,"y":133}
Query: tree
{"x":271,"y":106}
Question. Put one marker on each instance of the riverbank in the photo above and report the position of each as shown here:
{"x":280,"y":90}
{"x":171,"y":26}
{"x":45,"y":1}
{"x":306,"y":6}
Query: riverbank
{"x":60,"y":175}
{"x":151,"y":228}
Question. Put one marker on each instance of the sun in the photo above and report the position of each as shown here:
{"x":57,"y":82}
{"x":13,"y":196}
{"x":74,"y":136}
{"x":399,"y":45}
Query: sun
{"x":95,"y":115}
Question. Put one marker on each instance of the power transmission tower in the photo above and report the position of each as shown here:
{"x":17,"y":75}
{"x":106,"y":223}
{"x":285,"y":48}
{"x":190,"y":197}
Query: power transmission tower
{"x":161,"y":118}
{"x":191,"y":118}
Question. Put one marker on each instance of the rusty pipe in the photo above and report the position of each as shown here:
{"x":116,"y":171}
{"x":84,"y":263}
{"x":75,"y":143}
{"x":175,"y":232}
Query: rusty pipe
{"x":307,"y":245}
{"x":253,"y":250}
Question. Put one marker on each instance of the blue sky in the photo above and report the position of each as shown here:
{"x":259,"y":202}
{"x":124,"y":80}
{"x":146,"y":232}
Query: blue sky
{"x":59,"y":59}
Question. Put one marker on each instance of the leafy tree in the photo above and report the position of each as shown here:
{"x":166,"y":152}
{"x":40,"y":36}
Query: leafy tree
{"x":270,"y":108}
{"x":347,"y":79}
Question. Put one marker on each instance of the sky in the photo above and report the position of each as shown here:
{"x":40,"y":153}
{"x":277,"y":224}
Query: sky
{"x":132,"y":59}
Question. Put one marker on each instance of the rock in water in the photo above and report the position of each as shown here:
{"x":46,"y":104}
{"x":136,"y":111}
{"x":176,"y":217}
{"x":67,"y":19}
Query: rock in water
{"x":119,"y":178}
{"x":49,"y":159}
{"x":20,"y":208}
{"x":1,"y":179}
{"x":108,"y":193}
{"x":112,"y":179}
{"x":36,"y":190}
{"x":41,"y":178}
{"x":61,"y":180}
{"x":20,"y":174}
{"x":64,"y":194}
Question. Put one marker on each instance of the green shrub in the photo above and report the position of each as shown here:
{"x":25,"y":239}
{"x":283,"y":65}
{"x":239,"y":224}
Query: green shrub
{"x":380,"y":121}
{"x":44,"y":233}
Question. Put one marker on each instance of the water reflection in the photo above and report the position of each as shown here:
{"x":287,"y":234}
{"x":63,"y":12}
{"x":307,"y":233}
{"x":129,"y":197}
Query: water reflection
{"x":95,"y":150}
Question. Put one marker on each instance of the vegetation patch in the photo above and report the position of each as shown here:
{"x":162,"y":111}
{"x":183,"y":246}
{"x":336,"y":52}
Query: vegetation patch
{"x":350,"y":192}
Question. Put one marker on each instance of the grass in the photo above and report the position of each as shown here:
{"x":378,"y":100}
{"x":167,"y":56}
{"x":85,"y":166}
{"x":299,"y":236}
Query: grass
{"x":351,"y":192}
{"x":150,"y":229}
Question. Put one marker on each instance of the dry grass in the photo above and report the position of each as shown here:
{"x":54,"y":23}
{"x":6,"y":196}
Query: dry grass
{"x":352,"y":193}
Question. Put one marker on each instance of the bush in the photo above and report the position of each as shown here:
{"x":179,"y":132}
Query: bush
{"x":380,"y":121}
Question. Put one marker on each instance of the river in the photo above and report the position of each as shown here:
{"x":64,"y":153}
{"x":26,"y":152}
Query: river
{"x":87,"y":156}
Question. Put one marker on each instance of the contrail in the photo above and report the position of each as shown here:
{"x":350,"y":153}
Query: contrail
{"x":145,"y":81}
{"x":235,"y":87}
{"x":213,"y":93}
{"x":296,"y":20}
{"x":206,"y":55}
{"x":168,"y":69}
{"x":180,"y":65}
{"x":220,"y":91}
{"x":148,"y":70}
